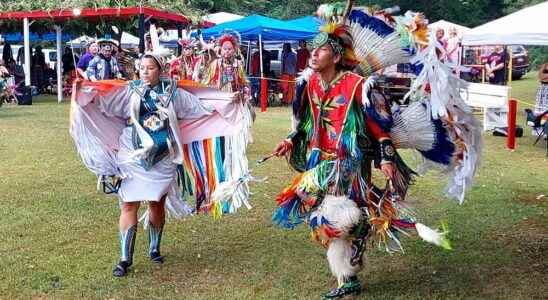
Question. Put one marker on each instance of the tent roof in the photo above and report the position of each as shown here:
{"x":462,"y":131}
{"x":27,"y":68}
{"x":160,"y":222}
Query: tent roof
{"x":94,"y":13}
{"x":446,"y":25}
{"x":270,"y":29}
{"x":308,"y":22}
{"x":127,"y":40}
{"x":528,"y":26}
{"x":221,"y":17}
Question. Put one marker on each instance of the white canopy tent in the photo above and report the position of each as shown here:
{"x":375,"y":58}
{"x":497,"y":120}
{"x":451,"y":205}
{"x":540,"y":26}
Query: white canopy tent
{"x":446,"y":26}
{"x":128,"y":40}
{"x":528,"y":26}
{"x":221,"y":17}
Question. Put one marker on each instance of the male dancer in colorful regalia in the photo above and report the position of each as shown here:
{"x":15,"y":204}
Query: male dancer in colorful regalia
{"x":343,"y":126}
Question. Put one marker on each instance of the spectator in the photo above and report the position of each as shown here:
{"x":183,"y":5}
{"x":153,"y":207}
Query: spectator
{"x":21,"y":56}
{"x":453,"y":47}
{"x":7,"y":57}
{"x":104,"y":66}
{"x":303,"y":55}
{"x":494,"y":69}
{"x":38,"y":68}
{"x":68,"y":61}
{"x":542,"y":94}
{"x":288,"y":70}
{"x":442,"y":44}
{"x":83,"y":63}
{"x":256,"y":70}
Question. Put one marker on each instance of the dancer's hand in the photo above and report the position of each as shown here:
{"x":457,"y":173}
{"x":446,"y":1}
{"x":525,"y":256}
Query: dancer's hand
{"x":388,"y":170}
{"x":78,"y":82}
{"x":283,"y":147}
{"x":235,"y":96}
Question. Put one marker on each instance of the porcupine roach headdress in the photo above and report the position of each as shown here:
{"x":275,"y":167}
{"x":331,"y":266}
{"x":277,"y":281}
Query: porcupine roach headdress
{"x":187,"y":41}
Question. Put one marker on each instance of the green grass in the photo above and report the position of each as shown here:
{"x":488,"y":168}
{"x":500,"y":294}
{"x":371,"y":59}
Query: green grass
{"x":59,"y":236}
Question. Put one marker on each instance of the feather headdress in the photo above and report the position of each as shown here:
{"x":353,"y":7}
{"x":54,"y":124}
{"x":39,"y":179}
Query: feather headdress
{"x":370,"y":39}
{"x":158,"y":52}
{"x":187,"y":41}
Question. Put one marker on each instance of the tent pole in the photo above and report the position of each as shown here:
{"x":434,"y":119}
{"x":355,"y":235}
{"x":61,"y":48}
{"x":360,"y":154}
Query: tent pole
{"x":263,"y":80}
{"x":179,"y":36}
{"x":58,"y":31}
{"x":248,"y":56}
{"x":512,"y":106}
{"x":141,"y":33}
{"x":27,"y":50}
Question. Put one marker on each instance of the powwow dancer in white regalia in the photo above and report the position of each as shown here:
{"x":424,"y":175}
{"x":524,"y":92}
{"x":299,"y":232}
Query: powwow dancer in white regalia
{"x":343,"y":126}
{"x":133,"y":136}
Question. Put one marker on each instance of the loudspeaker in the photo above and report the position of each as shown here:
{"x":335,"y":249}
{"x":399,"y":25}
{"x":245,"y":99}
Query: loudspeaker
{"x":25,"y":96}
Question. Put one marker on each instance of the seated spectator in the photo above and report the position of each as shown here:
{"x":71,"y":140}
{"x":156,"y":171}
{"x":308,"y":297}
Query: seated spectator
{"x":541,"y":104}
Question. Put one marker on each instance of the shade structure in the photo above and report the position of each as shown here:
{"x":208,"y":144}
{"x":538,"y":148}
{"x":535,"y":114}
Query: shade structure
{"x":309,"y":23}
{"x":249,"y":29}
{"x":221,"y":17}
{"x":528,"y":26}
{"x":446,"y":26}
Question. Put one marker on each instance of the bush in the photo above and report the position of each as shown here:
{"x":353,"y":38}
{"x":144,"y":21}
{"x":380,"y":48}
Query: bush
{"x":537,"y":56}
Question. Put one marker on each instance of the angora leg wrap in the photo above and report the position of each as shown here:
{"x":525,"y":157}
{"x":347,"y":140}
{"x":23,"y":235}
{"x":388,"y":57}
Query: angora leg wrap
{"x":343,"y":214}
{"x":338,"y":256}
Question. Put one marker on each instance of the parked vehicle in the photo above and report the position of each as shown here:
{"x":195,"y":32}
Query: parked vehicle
{"x":520,"y":61}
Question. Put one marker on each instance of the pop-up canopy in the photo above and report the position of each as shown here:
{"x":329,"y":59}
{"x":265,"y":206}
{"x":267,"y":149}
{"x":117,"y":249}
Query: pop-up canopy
{"x":528,"y":26}
{"x":268,"y":29}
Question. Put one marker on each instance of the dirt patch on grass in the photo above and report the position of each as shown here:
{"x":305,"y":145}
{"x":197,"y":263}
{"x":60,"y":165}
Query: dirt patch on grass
{"x":532,"y":198}
{"x":528,"y":271}
{"x":528,"y":237}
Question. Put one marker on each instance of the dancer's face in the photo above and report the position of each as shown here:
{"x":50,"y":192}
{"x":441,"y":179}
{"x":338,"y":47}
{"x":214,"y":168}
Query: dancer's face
{"x":149,"y":71}
{"x":187,"y":51}
{"x":227,"y":50}
{"x":323,"y":57}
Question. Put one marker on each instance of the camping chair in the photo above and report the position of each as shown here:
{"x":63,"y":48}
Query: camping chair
{"x":540,"y":128}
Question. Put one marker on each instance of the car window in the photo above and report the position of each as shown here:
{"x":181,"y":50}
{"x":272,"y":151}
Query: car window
{"x":517,"y":49}
{"x":53,"y":56}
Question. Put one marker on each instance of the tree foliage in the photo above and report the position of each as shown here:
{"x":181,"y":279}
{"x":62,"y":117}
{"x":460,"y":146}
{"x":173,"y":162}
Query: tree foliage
{"x":469,"y":13}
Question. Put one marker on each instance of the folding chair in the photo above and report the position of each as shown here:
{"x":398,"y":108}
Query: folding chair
{"x":540,"y":128}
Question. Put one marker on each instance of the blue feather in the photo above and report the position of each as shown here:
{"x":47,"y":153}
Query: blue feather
{"x":443,"y":148}
{"x":313,"y":159}
{"x":372,"y":23}
{"x":289,"y":214}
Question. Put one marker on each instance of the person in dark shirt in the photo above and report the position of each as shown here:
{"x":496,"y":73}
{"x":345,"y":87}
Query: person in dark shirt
{"x":256,"y":71}
{"x":68,"y":61}
{"x":494,"y":69}
{"x":38,"y":67}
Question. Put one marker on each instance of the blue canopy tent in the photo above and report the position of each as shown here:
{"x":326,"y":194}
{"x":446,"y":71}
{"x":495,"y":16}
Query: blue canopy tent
{"x":256,"y":27}
{"x":260,"y":28}
{"x":309,"y":23}
{"x":17,"y":37}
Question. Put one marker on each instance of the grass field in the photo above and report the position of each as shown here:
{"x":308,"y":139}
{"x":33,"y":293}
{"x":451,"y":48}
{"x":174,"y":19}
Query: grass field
{"x":59,"y":235}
